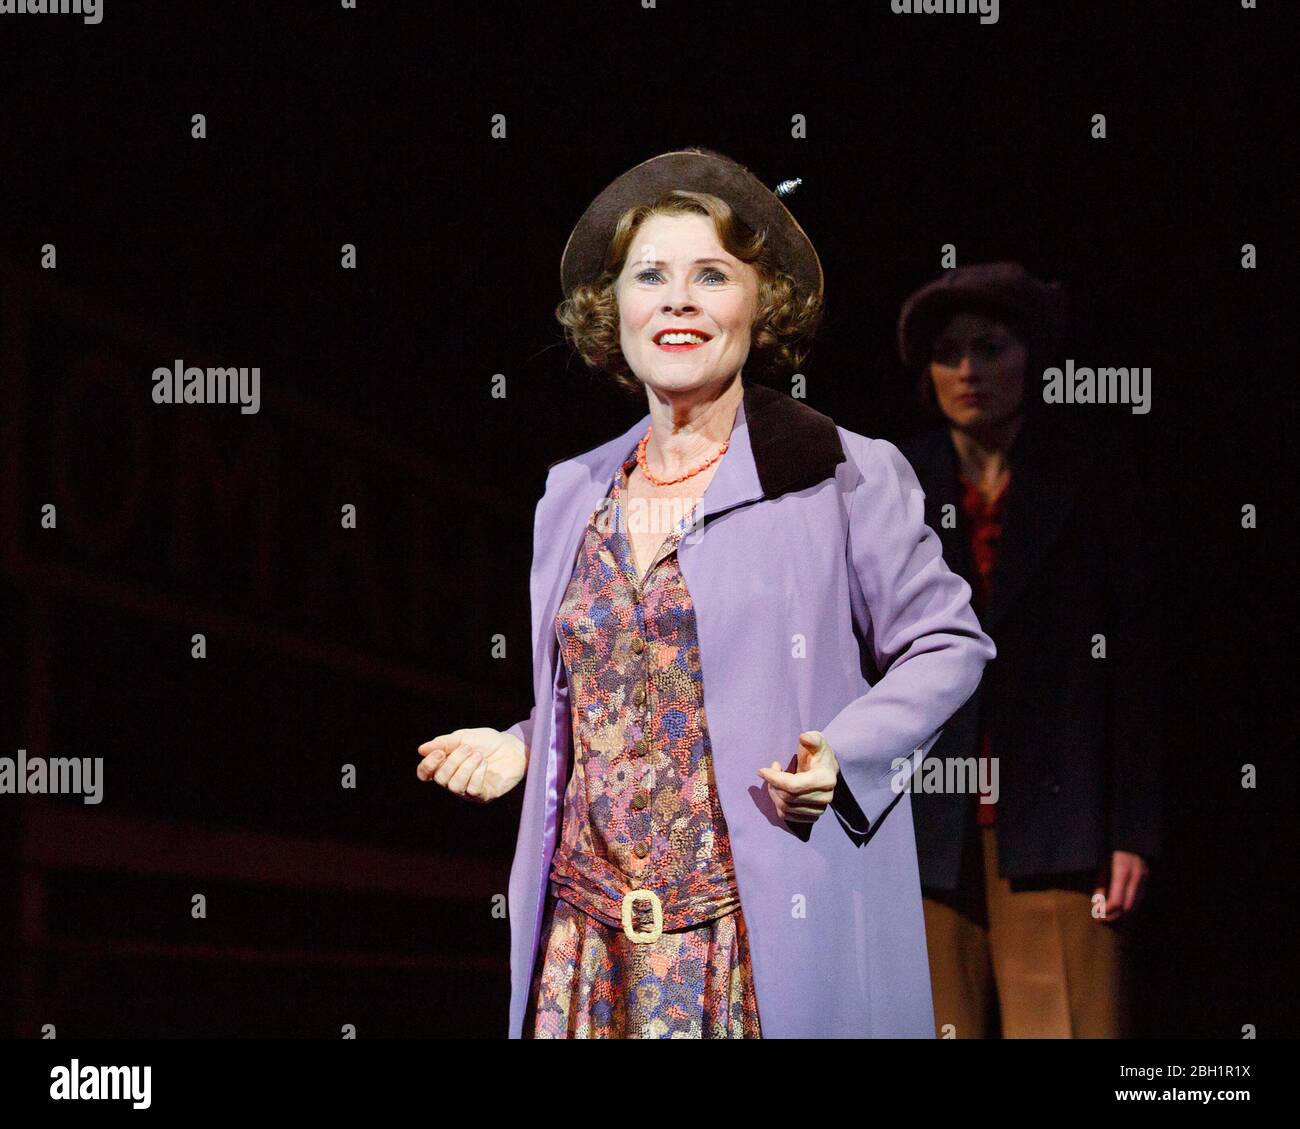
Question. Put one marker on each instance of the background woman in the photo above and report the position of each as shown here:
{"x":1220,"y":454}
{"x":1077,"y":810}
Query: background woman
{"x":1026,"y":898}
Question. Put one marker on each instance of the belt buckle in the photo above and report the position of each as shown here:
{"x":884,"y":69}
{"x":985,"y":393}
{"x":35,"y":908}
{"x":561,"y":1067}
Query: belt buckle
{"x":657,"y":913}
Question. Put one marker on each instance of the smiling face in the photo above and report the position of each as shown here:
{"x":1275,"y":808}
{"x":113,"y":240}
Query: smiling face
{"x":677,"y":276}
{"x":978,"y":369}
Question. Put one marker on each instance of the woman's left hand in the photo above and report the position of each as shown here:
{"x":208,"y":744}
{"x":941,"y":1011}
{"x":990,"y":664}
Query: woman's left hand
{"x":801,"y":796}
{"x":1121,"y":885}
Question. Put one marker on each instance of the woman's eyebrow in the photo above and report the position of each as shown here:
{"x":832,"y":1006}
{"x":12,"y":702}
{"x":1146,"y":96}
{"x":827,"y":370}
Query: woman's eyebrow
{"x":661,"y":263}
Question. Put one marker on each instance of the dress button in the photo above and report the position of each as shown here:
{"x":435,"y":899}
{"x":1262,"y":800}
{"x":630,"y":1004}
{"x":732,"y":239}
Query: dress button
{"x":638,"y":695}
{"x":639,"y":801}
{"x":638,"y":645}
{"x":640,"y":746}
{"x":642,"y":850}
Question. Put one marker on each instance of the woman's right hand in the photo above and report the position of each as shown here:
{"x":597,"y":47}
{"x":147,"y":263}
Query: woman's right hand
{"x":478,"y":764}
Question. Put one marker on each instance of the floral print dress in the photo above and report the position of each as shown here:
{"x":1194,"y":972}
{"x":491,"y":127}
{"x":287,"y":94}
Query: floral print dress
{"x":640,"y":812}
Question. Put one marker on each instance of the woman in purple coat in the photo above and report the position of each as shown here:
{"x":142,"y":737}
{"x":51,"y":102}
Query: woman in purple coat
{"x":740,"y":622}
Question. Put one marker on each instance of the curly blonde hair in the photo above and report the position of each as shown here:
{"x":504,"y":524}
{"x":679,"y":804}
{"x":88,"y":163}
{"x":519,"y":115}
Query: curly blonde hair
{"x":787,"y":318}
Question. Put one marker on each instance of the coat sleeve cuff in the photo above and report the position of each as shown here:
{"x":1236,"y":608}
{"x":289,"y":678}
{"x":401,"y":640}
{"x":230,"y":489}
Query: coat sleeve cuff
{"x":524,"y":729}
{"x":860,"y":807}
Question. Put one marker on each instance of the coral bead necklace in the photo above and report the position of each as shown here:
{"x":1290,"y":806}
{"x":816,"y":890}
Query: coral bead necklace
{"x":656,"y":480}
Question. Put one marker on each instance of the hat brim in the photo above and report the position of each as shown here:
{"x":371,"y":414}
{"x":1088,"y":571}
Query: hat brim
{"x":1039,"y":320}
{"x":695,"y":170}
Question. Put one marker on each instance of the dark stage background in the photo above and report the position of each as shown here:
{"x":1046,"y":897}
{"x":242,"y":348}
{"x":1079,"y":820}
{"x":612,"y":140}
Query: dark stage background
{"x":328,"y":646}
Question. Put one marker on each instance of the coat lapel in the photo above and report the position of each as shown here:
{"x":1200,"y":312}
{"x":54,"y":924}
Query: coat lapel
{"x":1044,"y":481}
{"x":1041,"y":493}
{"x":936,"y":467}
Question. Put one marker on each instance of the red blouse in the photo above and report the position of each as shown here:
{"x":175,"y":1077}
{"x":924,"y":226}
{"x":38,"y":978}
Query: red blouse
{"x":984,"y":523}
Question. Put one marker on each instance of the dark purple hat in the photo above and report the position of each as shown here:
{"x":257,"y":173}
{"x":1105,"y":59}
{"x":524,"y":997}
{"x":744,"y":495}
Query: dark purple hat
{"x":695,"y":170}
{"x":1006,"y":291}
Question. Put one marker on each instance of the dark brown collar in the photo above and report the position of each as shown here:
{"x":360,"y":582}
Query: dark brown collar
{"x":794,"y":446}
{"x":783,"y":445}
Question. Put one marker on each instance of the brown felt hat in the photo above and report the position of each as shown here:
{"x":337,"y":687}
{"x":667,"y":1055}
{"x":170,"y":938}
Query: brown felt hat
{"x":1006,"y":291}
{"x":695,"y":170}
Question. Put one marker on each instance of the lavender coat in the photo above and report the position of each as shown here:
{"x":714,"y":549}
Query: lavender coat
{"x":822,"y":602}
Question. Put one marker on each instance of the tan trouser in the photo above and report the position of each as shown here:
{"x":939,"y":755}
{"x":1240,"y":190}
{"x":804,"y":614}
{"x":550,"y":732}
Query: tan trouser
{"x":1058,"y":972}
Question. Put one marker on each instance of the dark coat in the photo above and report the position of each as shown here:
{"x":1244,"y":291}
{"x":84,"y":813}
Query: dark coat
{"x":1078,"y":738}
